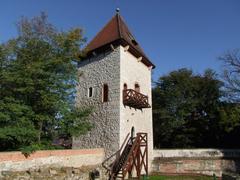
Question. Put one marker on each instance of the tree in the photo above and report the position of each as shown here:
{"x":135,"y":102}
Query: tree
{"x":231,"y":75}
{"x":38,"y":78}
{"x":231,"y":79}
{"x":186,"y":110}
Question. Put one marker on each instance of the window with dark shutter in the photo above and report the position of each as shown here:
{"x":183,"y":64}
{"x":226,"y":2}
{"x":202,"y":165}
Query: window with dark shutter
{"x":105,"y":93}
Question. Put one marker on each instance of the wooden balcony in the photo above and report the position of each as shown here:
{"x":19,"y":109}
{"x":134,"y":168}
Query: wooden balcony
{"x":135,"y":99}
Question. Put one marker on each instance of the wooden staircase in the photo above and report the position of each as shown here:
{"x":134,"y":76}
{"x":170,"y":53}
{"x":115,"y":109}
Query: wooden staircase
{"x":130,"y":160}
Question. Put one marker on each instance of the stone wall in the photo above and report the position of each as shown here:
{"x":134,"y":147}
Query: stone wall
{"x":52,"y":164}
{"x":196,"y":161}
{"x":95,"y":72}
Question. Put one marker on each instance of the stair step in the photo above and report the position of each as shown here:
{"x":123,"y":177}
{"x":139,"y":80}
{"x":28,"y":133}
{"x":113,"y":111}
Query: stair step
{"x":125,"y":160}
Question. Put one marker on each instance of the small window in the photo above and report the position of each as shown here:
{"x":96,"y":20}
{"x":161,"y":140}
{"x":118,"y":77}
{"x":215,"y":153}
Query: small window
{"x":137,"y":87}
{"x":105,"y":93}
{"x":124,"y":86}
{"x":90,"y":92}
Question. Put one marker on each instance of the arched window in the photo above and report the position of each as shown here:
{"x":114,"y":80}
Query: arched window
{"x":124,"y":86}
{"x":137,"y":87}
{"x":105,"y":93}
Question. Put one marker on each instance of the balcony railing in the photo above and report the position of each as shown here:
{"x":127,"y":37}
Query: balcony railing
{"x":135,"y":99}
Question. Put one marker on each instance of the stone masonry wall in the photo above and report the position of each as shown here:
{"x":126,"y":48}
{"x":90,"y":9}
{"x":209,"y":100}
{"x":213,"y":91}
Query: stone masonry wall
{"x":51,"y":164}
{"x":196,"y":161}
{"x":102,"y":69}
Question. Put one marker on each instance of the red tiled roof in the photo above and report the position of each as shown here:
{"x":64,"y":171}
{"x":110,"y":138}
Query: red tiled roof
{"x":116,"y":31}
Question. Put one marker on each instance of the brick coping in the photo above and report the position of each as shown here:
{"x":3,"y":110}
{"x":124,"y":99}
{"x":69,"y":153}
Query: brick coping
{"x":18,"y":156}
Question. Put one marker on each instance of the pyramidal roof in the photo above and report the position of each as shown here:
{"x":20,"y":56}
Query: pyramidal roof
{"x":116,"y":32}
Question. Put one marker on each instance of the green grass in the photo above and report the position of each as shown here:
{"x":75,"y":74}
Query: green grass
{"x":180,"y":178}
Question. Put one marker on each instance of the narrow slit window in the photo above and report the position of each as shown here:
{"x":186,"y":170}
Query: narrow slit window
{"x":105,"y":93}
{"x":90,"y":92}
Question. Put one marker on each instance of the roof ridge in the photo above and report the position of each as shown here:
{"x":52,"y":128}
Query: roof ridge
{"x":119,"y":26}
{"x":116,"y":31}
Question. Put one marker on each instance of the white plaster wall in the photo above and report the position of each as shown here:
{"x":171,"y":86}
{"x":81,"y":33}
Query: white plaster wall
{"x":196,"y":153}
{"x":131,"y":72}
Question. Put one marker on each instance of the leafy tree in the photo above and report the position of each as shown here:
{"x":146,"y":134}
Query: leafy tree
{"x":187,"y":111}
{"x":229,"y":117}
{"x":38,"y":73}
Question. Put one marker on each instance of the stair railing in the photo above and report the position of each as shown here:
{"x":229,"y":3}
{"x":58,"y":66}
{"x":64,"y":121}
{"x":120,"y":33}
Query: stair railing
{"x":116,"y":155}
{"x":128,"y":164}
{"x":135,"y":157}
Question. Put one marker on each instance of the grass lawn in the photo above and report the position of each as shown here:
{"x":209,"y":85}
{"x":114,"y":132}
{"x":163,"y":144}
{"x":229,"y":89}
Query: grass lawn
{"x":180,"y":178}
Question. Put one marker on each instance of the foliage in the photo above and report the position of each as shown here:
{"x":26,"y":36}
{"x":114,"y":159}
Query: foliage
{"x":229,"y":116}
{"x":38,"y":72}
{"x":187,"y":111}
{"x":74,"y":123}
{"x":46,"y":145}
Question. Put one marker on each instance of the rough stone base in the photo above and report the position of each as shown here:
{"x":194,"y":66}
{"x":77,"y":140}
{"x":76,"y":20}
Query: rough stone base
{"x":54,"y":173}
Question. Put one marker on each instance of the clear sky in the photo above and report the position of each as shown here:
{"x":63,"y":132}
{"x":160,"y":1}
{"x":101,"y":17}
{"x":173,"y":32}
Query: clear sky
{"x":173,"y":33}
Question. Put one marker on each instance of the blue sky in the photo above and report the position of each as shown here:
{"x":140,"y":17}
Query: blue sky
{"x":173,"y":33}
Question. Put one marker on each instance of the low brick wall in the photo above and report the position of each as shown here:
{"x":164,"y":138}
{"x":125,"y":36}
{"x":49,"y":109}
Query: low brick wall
{"x":50,"y":163}
{"x":196,"y":161}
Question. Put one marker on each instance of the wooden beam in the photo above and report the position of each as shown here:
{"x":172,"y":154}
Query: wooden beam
{"x":126,"y":48}
{"x":150,"y":68}
{"x":94,"y":53}
{"x":112,"y":47}
{"x":139,"y":59}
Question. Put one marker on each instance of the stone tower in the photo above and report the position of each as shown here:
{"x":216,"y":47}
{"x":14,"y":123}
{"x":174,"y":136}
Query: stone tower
{"x":116,"y":82}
